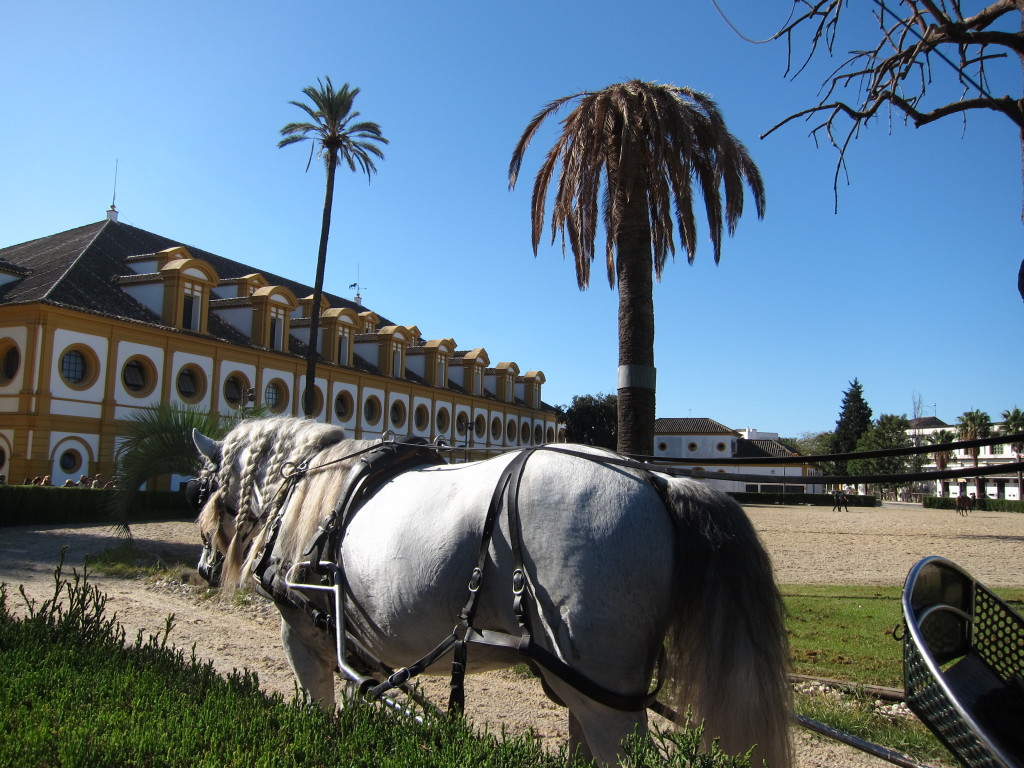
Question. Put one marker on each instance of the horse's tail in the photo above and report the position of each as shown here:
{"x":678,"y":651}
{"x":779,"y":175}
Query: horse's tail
{"x":727,"y":650}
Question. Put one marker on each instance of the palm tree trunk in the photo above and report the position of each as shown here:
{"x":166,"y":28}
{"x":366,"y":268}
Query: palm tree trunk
{"x":309,"y":398}
{"x":636,"y":380}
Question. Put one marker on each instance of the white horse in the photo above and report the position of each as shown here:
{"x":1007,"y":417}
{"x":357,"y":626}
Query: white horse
{"x":626,"y":571}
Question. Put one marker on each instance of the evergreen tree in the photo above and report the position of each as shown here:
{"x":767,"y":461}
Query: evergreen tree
{"x":854,"y":421}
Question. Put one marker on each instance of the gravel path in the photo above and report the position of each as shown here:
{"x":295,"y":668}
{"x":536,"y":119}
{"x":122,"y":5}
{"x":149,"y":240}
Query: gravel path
{"x":807,"y":544}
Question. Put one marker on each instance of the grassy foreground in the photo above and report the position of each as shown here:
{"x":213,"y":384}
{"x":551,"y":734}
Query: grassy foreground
{"x":74,"y":693}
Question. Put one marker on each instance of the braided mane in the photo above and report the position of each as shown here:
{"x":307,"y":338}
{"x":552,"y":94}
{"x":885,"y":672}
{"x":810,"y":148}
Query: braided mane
{"x":254,"y":458}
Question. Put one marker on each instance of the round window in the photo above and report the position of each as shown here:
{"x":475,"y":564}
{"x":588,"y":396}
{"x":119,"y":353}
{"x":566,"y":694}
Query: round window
{"x":524,"y":433}
{"x":236,"y":390}
{"x":371,"y":410}
{"x":720,"y":447}
{"x":662,"y":446}
{"x":397,"y":414}
{"x":421,"y":417}
{"x":138,"y":376}
{"x":275,"y":396}
{"x":70,"y":461}
{"x":496,"y":428}
{"x":10,"y":361}
{"x":78,"y":367}
{"x":344,"y":406}
{"x":510,"y":431}
{"x":462,"y":423}
{"x":191,"y":384}
{"x":538,"y":434}
{"x":550,"y":437}
{"x":444,"y":420}
{"x":692,"y":447}
{"x":479,"y":426}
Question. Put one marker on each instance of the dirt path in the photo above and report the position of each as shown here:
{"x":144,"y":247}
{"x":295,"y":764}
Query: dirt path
{"x":807,"y":544}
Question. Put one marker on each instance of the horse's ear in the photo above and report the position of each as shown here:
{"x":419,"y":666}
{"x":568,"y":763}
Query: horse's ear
{"x":207,"y":446}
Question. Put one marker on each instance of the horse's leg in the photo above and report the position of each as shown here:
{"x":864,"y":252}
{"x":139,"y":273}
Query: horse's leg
{"x":311,"y":655}
{"x":595,"y":730}
{"x":598,"y":730}
{"x":577,"y":739}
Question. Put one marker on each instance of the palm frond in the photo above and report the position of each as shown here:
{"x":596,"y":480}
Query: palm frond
{"x":159,"y":442}
{"x":638,"y":139}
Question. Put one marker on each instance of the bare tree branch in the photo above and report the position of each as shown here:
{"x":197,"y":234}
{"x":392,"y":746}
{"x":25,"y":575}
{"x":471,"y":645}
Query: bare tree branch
{"x":921,"y":47}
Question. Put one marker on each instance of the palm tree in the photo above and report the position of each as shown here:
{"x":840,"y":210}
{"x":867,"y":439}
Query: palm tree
{"x":336,"y":136}
{"x":974,"y":425}
{"x":159,"y":442}
{"x":646,"y":145}
{"x":1013,"y":423}
{"x":942,"y":458}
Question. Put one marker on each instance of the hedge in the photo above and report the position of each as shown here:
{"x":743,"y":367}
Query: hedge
{"x":47,"y":505}
{"x":793,"y":499}
{"x":990,"y":505}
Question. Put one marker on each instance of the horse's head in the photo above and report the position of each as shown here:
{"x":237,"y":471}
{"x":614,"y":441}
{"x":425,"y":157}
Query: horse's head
{"x":242,"y":485}
{"x":202,"y":493}
{"x":229,"y":509}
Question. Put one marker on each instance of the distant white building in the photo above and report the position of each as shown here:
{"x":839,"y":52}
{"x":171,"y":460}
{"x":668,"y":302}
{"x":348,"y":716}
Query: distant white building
{"x":705,"y":444}
{"x":994,"y":486}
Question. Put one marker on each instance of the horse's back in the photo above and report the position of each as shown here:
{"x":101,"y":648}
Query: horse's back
{"x":595,"y":538}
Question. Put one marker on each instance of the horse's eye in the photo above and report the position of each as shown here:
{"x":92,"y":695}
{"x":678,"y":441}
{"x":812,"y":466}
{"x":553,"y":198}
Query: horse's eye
{"x":194,"y":492}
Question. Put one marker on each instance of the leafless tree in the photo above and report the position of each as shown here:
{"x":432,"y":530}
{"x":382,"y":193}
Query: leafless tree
{"x":928,"y":61}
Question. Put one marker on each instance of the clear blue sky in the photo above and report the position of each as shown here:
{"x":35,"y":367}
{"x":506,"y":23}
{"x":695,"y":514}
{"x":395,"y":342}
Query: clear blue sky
{"x":911,"y":287}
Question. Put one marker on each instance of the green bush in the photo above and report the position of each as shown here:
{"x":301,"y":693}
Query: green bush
{"x":47,"y":505}
{"x":991,"y":505}
{"x":72,"y":693}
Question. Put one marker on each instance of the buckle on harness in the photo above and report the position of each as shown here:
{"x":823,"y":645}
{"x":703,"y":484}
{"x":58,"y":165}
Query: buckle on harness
{"x":518,"y":581}
{"x":475,"y":579}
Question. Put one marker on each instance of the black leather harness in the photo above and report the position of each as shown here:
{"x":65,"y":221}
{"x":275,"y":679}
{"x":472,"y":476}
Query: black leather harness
{"x":373,"y":470}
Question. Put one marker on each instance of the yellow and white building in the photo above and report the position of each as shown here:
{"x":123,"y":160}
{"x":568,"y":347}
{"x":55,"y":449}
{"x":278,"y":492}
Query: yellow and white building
{"x":104,"y":320}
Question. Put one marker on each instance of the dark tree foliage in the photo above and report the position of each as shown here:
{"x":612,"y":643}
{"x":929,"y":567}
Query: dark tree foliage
{"x":592,"y":420}
{"x":854,"y":421}
{"x":809,"y":443}
{"x":890,"y":431}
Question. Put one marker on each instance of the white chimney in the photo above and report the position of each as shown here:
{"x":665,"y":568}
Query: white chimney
{"x":112,"y":213}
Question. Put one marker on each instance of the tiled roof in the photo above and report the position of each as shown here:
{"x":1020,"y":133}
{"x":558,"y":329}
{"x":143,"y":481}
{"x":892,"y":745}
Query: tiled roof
{"x":750,"y":449}
{"x":692,"y":427}
{"x":81,"y":268}
{"x":927,"y":422}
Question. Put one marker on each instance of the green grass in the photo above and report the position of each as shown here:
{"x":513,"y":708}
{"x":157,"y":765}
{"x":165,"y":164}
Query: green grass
{"x":846,"y":632}
{"x":74,"y":693}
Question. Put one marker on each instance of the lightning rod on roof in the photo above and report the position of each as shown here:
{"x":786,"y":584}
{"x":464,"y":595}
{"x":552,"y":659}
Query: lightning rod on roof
{"x":112,"y":212}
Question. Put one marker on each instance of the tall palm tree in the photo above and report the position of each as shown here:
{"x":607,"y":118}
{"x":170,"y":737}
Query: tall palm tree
{"x":1013,"y":423}
{"x":974,"y":425}
{"x":641,"y":147}
{"x":336,"y":136}
{"x":942,"y":458}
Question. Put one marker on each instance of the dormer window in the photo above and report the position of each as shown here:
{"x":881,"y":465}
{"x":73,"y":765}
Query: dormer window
{"x":442,"y":371}
{"x":344,"y":346}
{"x":193,"y":306}
{"x":276,"y":336}
{"x":397,"y":370}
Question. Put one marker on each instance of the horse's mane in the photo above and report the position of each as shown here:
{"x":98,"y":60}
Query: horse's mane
{"x":259,"y":454}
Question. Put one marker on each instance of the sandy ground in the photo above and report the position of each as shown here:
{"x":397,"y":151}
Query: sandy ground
{"x":807,"y":545}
